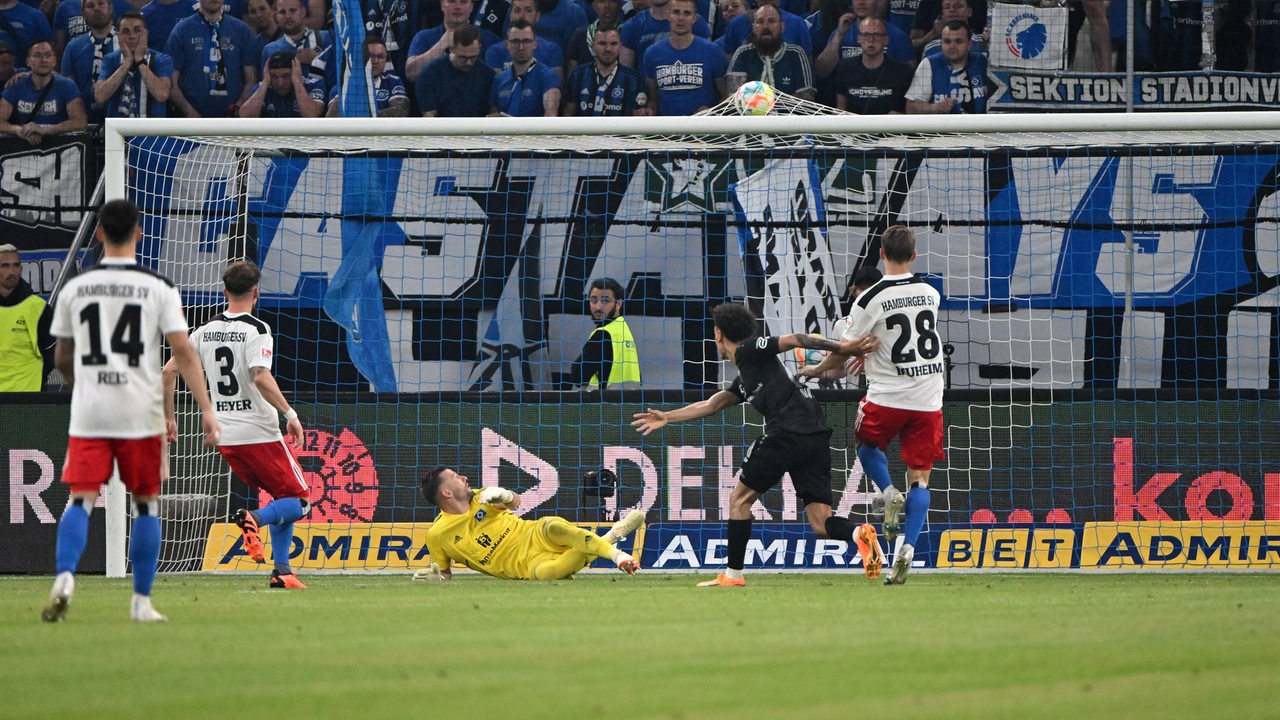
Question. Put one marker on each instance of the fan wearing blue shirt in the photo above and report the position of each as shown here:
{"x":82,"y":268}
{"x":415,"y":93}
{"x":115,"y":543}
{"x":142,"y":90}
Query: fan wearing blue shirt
{"x":135,"y":81}
{"x":69,"y":24}
{"x":395,"y":21}
{"x":649,"y":26}
{"x":82,"y":58}
{"x":843,"y":43}
{"x":769,"y":58}
{"x":434,"y":42}
{"x":527,"y":88}
{"x":43,"y":102}
{"x":548,"y":53}
{"x":559,"y":20}
{"x":215,"y":62}
{"x":389,"y":96}
{"x":296,"y":38}
{"x":21,"y":25}
{"x":684,"y":73}
{"x":162,"y":17}
{"x":285,"y":93}
{"x":953,"y":81}
{"x":604,"y":87}
{"x":794,"y":30}
{"x":458,"y":84}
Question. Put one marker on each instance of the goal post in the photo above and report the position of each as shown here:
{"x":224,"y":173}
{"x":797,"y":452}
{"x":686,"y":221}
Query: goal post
{"x":1110,"y":319}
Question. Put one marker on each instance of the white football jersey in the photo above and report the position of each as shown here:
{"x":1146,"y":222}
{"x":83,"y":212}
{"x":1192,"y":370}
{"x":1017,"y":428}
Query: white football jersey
{"x":908,"y":370}
{"x":230,"y":346}
{"x":118,"y":314}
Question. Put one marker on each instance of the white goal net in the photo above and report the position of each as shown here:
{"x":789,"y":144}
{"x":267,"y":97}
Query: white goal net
{"x":1109,"y":313}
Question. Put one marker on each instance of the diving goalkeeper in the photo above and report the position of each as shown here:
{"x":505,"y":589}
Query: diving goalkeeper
{"x":478,"y":529}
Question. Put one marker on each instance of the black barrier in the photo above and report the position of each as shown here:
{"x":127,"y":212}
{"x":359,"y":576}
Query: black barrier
{"x":1063,"y":462}
{"x":45,"y":189}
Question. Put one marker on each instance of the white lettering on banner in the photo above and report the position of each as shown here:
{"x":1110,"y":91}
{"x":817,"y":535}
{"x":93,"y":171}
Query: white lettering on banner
{"x":306,"y":244}
{"x":496,"y":449}
{"x":194,"y":250}
{"x":677,"y":482}
{"x":38,"y":179}
{"x":22,"y":494}
{"x":1046,"y":190}
{"x":955,"y":252}
{"x":779,"y":552}
{"x":615,"y":456}
{"x":1038,"y":88}
{"x":1195,"y":89}
{"x":1171,"y":91}
{"x":1165,"y":193}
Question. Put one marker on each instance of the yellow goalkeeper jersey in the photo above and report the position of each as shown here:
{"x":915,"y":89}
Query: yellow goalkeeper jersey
{"x":489,"y":539}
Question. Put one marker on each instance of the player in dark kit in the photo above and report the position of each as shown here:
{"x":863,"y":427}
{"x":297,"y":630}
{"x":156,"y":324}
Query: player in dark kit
{"x":796,"y":439}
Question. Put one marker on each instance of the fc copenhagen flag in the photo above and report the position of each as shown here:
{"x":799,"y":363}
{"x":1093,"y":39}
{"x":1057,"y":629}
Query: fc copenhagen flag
{"x":1027,"y":37}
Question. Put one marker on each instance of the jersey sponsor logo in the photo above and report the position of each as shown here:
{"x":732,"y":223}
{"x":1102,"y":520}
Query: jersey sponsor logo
{"x":27,"y":107}
{"x":680,"y":76}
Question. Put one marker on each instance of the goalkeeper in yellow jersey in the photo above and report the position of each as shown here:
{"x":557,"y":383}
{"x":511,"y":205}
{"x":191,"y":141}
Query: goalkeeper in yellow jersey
{"x":478,"y":529}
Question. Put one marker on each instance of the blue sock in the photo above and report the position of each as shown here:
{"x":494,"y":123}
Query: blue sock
{"x":875,"y":465}
{"x":284,"y":510}
{"x":281,"y":545}
{"x":73,"y":533}
{"x":144,"y":550}
{"x":917,"y":508}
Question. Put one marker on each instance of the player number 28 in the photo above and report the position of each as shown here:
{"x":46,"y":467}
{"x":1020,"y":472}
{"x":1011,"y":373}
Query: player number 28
{"x":923,"y":339}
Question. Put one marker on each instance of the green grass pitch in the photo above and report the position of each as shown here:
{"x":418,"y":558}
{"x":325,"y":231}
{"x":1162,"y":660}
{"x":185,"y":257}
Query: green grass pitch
{"x":808,"y":647}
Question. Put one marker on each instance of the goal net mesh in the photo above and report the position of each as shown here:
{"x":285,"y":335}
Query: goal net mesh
{"x":1108,"y":311}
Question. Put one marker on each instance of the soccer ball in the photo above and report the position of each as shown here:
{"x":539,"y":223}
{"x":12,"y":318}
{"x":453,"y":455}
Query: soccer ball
{"x":808,"y":357}
{"x":755,"y":98}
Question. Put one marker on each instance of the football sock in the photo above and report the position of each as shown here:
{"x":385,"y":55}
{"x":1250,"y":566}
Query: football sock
{"x":73,"y":533}
{"x":917,"y":507}
{"x":144,"y":550}
{"x":561,"y":532}
{"x":875,"y":465}
{"x":840,"y":528}
{"x":281,"y":546}
{"x":284,"y":510}
{"x":739,"y":533}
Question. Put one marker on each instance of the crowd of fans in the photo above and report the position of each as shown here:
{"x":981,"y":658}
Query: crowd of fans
{"x":65,"y":64}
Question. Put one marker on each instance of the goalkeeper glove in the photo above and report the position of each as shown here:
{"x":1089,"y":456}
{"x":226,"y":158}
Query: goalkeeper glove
{"x":497,"y":496}
{"x":431,"y":573}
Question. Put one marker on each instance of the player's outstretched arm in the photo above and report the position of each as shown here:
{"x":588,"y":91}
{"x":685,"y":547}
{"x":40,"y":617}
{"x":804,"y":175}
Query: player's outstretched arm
{"x":270,"y":389}
{"x":188,"y":362}
{"x":860,"y":345}
{"x":651,"y":419}
{"x":170,"y":376}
